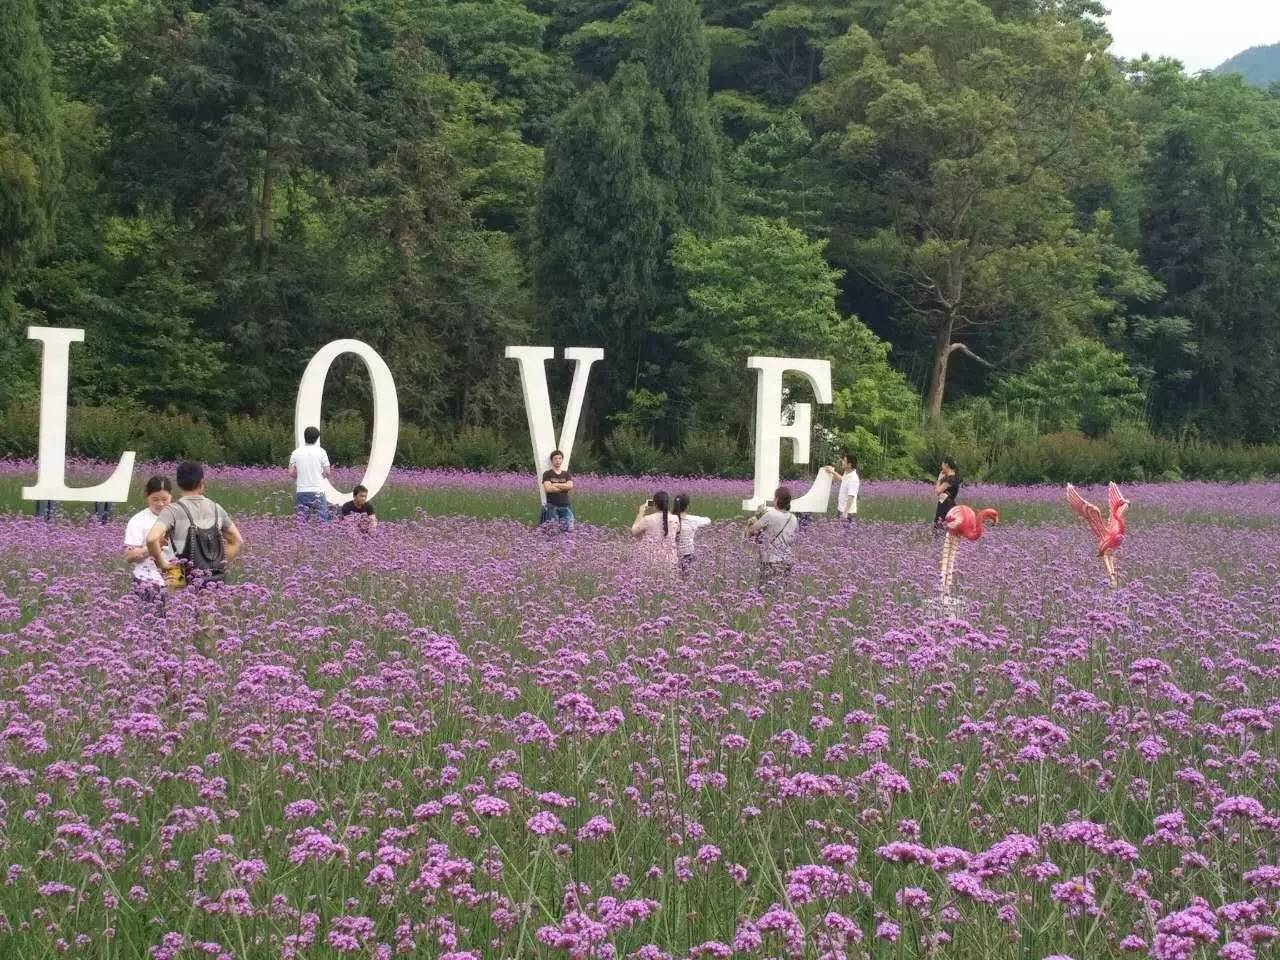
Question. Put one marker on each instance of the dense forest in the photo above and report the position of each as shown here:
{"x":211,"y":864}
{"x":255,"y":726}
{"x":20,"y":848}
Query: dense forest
{"x":985,"y":220}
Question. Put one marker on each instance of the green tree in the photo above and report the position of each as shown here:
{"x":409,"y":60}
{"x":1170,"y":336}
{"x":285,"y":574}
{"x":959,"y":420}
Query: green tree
{"x":602,"y":226}
{"x":1209,"y":234}
{"x":677,"y":62}
{"x":499,"y":43}
{"x":768,"y":290}
{"x":1082,"y":386}
{"x":414,"y":269}
{"x":962,"y":139}
{"x":30,"y":163}
{"x":237,"y":123}
{"x":774,"y":173}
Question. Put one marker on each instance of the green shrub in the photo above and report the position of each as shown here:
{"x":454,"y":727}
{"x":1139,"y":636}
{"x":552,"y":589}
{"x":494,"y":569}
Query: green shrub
{"x":345,"y":440}
{"x":419,"y":449}
{"x":103,"y":433}
{"x":250,"y":441}
{"x":585,"y":458}
{"x":711,"y":453}
{"x":173,"y":437}
{"x":1204,"y":461}
{"x":19,"y":430}
{"x":1127,"y":455}
{"x":1141,"y":456}
{"x":633,"y":452}
{"x":481,"y":448}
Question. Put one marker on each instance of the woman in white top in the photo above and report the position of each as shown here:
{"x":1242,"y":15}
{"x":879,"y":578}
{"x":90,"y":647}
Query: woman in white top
{"x":655,"y":528}
{"x":687,"y":527}
{"x":159,"y":491}
{"x":850,"y":484}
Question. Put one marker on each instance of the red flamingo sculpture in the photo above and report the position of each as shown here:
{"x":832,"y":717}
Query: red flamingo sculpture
{"x":1109,"y":534}
{"x":960,"y":522}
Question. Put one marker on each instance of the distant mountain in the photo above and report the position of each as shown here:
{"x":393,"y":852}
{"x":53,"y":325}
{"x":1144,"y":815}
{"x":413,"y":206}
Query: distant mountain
{"x":1259,"y":66}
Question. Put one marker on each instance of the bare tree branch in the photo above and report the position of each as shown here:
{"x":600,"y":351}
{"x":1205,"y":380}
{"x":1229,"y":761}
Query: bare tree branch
{"x":965,"y":350}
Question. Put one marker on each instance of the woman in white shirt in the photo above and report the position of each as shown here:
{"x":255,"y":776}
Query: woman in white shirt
{"x":850,"y":484}
{"x":159,"y":492}
{"x":687,"y":527}
{"x":655,"y":528}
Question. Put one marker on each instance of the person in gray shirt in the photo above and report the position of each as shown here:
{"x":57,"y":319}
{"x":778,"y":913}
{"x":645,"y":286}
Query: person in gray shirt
{"x":775,"y":532}
{"x":202,"y":535}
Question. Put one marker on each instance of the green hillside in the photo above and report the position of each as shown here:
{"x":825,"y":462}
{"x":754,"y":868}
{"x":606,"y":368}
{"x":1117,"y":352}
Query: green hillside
{"x":1259,"y":65}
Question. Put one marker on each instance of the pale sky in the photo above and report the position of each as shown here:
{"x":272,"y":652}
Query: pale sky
{"x":1200,"y":33}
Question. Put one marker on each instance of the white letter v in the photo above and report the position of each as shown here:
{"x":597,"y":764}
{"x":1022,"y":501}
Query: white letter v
{"x":537,"y":400}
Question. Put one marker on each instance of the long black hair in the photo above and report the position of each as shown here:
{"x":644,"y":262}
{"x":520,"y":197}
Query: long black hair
{"x":662,"y":502}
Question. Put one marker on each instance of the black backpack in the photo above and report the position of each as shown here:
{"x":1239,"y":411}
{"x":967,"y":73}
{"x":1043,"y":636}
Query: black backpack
{"x":204,"y":549}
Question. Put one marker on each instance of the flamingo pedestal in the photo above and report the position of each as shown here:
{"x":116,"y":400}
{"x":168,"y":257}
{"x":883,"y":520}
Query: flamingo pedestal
{"x":961,"y":522}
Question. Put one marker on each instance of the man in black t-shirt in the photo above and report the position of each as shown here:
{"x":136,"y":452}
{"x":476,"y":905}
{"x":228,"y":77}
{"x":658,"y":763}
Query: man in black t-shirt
{"x":946,"y":489}
{"x":360,"y":506}
{"x":556,"y":483}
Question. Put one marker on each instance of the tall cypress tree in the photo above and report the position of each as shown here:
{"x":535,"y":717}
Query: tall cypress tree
{"x":30,"y":164}
{"x":678,"y":62}
{"x":601,"y":224}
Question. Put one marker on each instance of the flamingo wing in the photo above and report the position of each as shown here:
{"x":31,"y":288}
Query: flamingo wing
{"x":1114,"y":499}
{"x":1092,"y":515}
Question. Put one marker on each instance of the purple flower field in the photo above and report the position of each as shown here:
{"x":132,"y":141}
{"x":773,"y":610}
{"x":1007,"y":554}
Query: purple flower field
{"x":458,"y":738}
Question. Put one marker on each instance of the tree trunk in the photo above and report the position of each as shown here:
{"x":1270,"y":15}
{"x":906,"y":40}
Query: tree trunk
{"x":264,"y":209}
{"x":938,"y":375}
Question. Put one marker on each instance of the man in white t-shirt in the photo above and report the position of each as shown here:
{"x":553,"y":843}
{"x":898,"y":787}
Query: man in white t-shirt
{"x":309,"y":465}
{"x":159,"y":493}
{"x":850,"y":484}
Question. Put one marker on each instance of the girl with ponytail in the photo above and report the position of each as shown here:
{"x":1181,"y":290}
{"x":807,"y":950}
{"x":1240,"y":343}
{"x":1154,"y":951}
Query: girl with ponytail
{"x":687,"y":525}
{"x":655,"y":527}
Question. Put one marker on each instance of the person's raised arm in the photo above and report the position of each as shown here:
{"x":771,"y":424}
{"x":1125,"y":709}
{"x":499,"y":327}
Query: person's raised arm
{"x":156,"y":537}
{"x":234,"y":542}
{"x":638,"y":527}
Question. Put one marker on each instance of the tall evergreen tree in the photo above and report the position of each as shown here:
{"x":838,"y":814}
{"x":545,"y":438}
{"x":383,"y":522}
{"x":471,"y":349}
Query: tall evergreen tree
{"x":677,"y":61}
{"x":1209,"y":234}
{"x":30,"y":164}
{"x":601,"y":222}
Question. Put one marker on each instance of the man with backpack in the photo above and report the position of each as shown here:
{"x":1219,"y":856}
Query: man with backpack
{"x":202,"y":535}
{"x":774,"y":532}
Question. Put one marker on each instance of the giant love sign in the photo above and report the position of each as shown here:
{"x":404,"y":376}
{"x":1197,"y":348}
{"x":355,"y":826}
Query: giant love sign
{"x":770,"y":431}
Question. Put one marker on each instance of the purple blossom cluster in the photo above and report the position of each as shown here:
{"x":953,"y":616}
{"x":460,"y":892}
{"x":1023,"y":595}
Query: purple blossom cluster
{"x":461,"y":739}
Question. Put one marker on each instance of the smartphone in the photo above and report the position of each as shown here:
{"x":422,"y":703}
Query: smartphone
{"x":649,"y":502}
